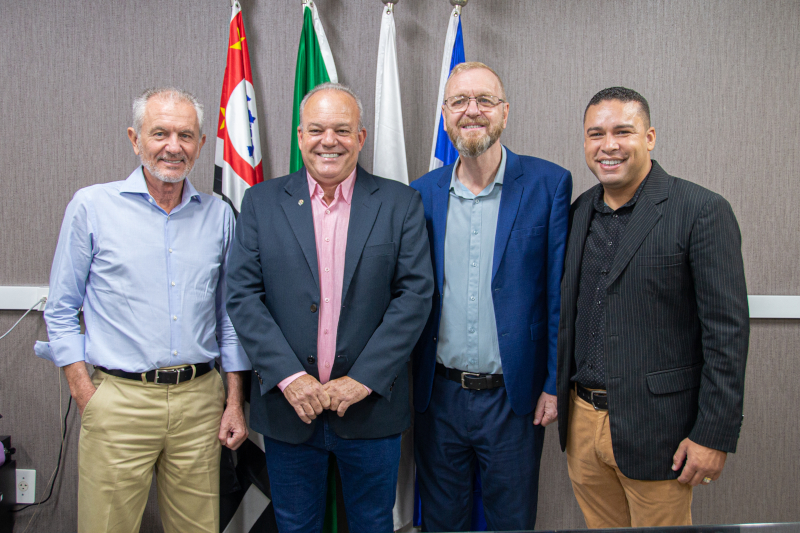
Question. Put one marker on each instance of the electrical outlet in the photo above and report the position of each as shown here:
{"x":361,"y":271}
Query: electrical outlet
{"x":26,"y":485}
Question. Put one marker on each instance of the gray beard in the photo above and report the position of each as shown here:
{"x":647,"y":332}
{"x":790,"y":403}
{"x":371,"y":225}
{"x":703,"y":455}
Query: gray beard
{"x":473,"y":148}
{"x":151,"y":168}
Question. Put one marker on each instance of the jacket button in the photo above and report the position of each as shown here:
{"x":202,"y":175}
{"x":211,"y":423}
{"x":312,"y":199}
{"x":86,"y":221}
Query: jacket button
{"x":311,"y":360}
{"x":434,"y":339}
{"x":313,"y":308}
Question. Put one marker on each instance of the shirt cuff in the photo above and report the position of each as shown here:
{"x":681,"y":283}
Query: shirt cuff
{"x":369,"y":391}
{"x":233,"y":358}
{"x":64,"y":351}
{"x":285,"y":383}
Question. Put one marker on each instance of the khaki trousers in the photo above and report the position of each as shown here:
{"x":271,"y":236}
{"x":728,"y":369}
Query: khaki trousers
{"x":130,"y":428}
{"x":606,"y":496}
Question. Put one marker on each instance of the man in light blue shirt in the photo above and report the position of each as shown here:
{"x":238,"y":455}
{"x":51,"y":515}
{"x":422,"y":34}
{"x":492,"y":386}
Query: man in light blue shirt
{"x":485,"y":365}
{"x":146,"y":258}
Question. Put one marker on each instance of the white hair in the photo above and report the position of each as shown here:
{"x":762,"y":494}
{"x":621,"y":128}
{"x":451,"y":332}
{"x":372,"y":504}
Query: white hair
{"x":171,"y":94}
{"x":330,"y":86}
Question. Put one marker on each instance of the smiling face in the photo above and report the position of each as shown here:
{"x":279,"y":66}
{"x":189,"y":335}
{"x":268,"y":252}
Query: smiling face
{"x":617,"y":143}
{"x":170,"y":141}
{"x":474,"y":131}
{"x":329,"y":138}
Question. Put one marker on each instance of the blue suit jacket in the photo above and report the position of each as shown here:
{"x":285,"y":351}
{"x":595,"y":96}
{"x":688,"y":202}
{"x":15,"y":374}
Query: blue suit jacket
{"x":274,"y":295}
{"x":526,"y":275}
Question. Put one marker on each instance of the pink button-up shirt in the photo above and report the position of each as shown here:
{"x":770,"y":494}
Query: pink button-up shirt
{"x":330,"y":231}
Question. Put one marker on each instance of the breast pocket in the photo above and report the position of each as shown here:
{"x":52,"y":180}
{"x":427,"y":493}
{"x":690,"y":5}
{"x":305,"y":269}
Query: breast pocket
{"x":661,"y":275}
{"x":378,"y":250}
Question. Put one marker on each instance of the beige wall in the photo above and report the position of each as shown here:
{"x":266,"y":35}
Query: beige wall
{"x":721,"y":77}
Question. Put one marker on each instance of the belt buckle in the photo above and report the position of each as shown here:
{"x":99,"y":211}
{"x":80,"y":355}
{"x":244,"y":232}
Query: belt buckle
{"x":470,"y":374}
{"x":600,"y":393}
{"x":173,"y":370}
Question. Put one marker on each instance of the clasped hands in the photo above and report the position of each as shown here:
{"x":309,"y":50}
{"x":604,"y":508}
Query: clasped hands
{"x":309,"y":397}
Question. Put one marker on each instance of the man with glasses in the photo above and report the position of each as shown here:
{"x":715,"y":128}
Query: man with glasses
{"x":485,"y":366}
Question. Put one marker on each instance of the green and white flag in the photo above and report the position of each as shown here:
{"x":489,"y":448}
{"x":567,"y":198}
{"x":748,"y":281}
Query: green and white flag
{"x":314,"y":66}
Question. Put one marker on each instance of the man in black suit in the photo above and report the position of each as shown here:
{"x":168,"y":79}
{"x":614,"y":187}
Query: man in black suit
{"x":654,"y":328}
{"x":329,"y":287}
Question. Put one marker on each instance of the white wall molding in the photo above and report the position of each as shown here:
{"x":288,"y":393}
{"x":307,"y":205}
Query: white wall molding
{"x":761,"y":306}
{"x":769,"y":306}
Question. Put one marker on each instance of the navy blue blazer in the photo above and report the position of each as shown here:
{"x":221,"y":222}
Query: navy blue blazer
{"x":526,"y":275}
{"x":274,"y":294}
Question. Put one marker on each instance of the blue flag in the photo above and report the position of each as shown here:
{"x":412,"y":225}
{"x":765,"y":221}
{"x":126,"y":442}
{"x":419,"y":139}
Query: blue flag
{"x":443,"y":152}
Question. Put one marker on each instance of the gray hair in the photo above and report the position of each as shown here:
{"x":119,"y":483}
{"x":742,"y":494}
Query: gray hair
{"x":330,"y":86}
{"x":170,"y":94}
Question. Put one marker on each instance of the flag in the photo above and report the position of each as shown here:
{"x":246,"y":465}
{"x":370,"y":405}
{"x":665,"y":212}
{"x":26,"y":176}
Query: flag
{"x":389,"y":155}
{"x":238,"y":152}
{"x":314,"y":66}
{"x":443,"y":152}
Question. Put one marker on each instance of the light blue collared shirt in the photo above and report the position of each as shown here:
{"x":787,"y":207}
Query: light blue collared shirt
{"x":468,"y":330}
{"x":151,"y":284}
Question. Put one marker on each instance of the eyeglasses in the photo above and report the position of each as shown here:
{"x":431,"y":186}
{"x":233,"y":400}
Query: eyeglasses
{"x":485,"y":102}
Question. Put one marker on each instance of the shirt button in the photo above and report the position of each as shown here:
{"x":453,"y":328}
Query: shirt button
{"x":473,"y":361}
{"x":327,"y":211}
{"x":472,"y":330}
{"x":167,"y":217}
{"x":472,"y":298}
{"x":474,"y":264}
{"x":326,"y":332}
{"x":175,"y":352}
{"x":173,"y":283}
{"x":610,"y":243}
{"x":327,"y":239}
{"x":477,"y":201}
{"x":327,"y":300}
{"x":170,"y":250}
{"x":615,"y":215}
{"x":174,"y":317}
{"x":327,"y":269}
{"x":474,"y":232}
{"x":327,"y":365}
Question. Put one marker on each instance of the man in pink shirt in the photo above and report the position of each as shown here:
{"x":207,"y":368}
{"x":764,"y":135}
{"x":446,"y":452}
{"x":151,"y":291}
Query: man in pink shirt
{"x":329,"y":287}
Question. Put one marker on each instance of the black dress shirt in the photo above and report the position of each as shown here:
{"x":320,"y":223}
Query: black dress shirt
{"x":602,"y":242}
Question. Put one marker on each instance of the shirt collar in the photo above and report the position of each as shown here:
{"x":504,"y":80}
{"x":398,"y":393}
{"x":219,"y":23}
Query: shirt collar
{"x":343,"y":190}
{"x":601,"y":207}
{"x":461,"y":190}
{"x":136,"y":184}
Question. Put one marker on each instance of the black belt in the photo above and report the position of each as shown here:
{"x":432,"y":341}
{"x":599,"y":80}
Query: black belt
{"x":471,"y":380}
{"x":598,"y":398}
{"x":172,"y":376}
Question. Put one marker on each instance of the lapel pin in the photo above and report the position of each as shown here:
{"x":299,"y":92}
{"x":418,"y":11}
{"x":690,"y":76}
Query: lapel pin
{"x":300,"y":202}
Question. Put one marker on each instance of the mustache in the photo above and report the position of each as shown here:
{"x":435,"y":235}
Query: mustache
{"x":477,"y":121}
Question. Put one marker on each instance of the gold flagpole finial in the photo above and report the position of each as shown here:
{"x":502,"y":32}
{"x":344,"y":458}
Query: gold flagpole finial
{"x":390,"y":4}
{"x":458,"y":4}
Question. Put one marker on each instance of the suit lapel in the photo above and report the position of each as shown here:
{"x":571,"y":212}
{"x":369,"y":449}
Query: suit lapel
{"x":577,"y":240}
{"x":297,"y":207}
{"x":509,"y":205}
{"x":645,"y":215}
{"x":441,"y":196}
{"x":364,"y":209}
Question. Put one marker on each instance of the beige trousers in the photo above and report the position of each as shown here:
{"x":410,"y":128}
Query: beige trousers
{"x":130,"y":428}
{"x":606,"y":496}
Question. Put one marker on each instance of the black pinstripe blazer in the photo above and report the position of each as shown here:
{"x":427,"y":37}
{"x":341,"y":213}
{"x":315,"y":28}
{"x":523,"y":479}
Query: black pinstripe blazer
{"x":677,"y":325}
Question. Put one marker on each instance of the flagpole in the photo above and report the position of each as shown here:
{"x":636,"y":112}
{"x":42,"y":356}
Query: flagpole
{"x":458,"y":4}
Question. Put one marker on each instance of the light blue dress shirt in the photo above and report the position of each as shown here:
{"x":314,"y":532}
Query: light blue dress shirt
{"x":468,"y":330}
{"x":151,"y":284}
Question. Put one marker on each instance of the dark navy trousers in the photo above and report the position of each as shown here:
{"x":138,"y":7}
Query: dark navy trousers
{"x":462,"y":428}
{"x":298,"y":476}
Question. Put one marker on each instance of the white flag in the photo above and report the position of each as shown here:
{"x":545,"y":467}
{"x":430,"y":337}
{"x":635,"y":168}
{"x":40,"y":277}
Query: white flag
{"x":389,"y":155}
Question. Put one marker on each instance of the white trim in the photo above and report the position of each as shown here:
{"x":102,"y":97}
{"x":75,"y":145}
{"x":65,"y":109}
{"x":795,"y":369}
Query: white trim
{"x":324,"y":47}
{"x":22,"y":298}
{"x":762,"y":306}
